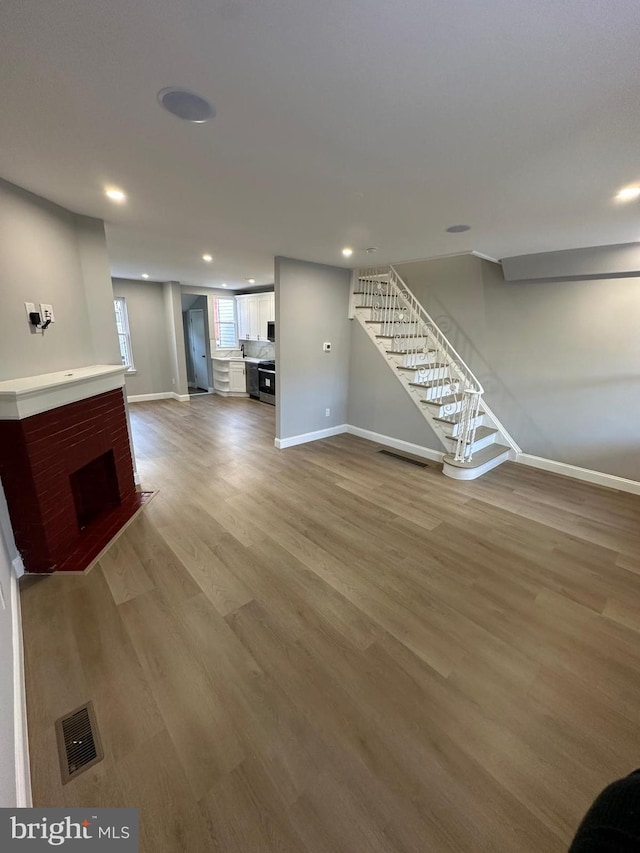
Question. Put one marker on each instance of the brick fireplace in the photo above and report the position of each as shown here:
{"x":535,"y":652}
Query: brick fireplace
{"x":65,"y":465}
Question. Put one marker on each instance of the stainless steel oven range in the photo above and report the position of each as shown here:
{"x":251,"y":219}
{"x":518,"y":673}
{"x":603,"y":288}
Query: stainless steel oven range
{"x":267,"y":381}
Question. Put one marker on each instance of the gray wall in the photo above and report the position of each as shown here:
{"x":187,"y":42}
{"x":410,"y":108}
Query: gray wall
{"x":312,"y":302}
{"x":557,"y":358}
{"x":175,"y":336}
{"x":41,"y":262}
{"x":377,"y":401}
{"x":598,"y":261}
{"x":96,"y":274}
{"x":148,"y":328}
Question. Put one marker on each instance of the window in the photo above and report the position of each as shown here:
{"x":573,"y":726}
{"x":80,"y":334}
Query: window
{"x":124,"y":338}
{"x":225,"y":321}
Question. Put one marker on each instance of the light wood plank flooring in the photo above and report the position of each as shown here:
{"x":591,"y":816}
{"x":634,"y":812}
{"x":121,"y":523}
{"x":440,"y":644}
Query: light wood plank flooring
{"x":324,"y":649}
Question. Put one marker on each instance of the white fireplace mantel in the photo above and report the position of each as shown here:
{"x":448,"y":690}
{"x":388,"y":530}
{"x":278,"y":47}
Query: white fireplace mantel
{"x":31,"y":395}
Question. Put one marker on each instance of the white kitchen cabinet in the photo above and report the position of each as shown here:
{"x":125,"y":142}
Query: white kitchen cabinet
{"x":243,"y":318}
{"x":254,"y":312}
{"x":254,"y":319}
{"x":237,"y":377}
{"x":229,"y":377}
{"x":263,"y":317}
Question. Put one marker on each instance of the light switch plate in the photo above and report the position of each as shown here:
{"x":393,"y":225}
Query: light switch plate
{"x":46,"y":312}
{"x":326,"y":347}
{"x":30,"y":308}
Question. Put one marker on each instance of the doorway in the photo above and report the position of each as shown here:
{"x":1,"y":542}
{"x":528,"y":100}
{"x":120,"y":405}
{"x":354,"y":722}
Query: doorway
{"x":196,"y":343}
{"x":198,"y":348}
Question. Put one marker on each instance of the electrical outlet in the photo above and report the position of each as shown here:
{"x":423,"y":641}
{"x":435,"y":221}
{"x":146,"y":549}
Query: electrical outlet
{"x":326,"y":347}
{"x":173,"y":380}
{"x":46,"y":312}
{"x":327,"y":413}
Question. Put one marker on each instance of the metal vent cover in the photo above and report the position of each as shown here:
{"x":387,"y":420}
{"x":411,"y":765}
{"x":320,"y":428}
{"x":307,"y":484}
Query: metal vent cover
{"x":410,"y":459}
{"x":79,"y":744}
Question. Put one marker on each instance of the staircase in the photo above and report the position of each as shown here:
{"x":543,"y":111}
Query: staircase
{"x":432,"y":373}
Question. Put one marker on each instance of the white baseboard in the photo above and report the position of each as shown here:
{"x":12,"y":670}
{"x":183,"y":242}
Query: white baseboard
{"x":303,"y":438}
{"x":162,"y":395}
{"x":144,"y":398}
{"x":396,"y":443}
{"x":610,"y":481}
{"x":21,"y":733}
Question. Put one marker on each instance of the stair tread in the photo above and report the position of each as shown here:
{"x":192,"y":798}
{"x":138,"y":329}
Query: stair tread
{"x":410,"y":352}
{"x":481,"y":432}
{"x":427,"y":366}
{"x":398,"y":322}
{"x":454,"y":419}
{"x":481,"y":457}
{"x":445,"y":401}
{"x":393,"y":337}
{"x":433,"y":383}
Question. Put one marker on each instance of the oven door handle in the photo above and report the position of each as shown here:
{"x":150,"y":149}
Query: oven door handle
{"x":270,"y":372}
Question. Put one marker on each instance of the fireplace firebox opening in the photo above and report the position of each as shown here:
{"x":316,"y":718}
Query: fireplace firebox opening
{"x":95,"y":488}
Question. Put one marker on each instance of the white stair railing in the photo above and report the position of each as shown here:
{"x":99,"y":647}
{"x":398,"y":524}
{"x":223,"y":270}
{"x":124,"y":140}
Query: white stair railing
{"x":414,"y":334}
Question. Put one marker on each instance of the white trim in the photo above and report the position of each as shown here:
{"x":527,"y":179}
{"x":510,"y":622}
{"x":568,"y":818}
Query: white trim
{"x":136,"y":478}
{"x":396,"y":443}
{"x":18,"y":566}
{"x":485,"y":257}
{"x":32,"y":395}
{"x":610,"y":481}
{"x":161,"y":395}
{"x":304,"y":437}
{"x":144,"y":398}
{"x":21,"y":733}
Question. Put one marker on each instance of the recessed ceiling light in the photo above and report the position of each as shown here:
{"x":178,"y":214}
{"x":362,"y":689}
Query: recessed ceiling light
{"x":145,"y":275}
{"x":207,"y":258}
{"x":186,"y":105}
{"x":114,"y":194}
{"x":347,"y":252}
{"x":628,"y":194}
{"x":224,"y":283}
{"x":251,"y":280}
{"x":458,"y":229}
{"x":371,"y":250}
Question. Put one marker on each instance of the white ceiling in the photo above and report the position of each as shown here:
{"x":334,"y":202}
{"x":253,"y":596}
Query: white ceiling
{"x":338,"y":122}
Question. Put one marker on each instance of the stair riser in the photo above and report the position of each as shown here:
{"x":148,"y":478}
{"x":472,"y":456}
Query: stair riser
{"x":446,"y":411}
{"x":427,"y":374}
{"x":400,"y":343}
{"x":419,"y":359}
{"x":454,"y":429}
{"x":441,"y":391}
{"x":477,"y":445}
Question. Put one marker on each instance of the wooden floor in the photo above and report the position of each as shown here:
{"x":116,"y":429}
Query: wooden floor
{"x":327,"y":650}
